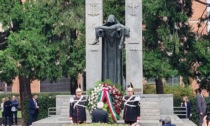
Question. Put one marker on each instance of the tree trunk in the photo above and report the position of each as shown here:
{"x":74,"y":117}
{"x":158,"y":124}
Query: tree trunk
{"x":25,"y":95}
{"x":159,"y":86}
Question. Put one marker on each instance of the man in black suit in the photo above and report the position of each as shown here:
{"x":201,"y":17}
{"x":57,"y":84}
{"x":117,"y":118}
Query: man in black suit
{"x":201,"y":106}
{"x":99,"y":115}
{"x":33,"y":109}
{"x":7,"y":111}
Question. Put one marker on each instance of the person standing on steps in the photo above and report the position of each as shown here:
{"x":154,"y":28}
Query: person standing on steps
{"x":33,"y":109}
{"x":77,"y":108}
{"x":131,"y":113}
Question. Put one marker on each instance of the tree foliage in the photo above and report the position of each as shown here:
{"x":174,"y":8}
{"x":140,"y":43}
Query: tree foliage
{"x":167,"y":36}
{"x":41,"y":39}
{"x":45,"y":37}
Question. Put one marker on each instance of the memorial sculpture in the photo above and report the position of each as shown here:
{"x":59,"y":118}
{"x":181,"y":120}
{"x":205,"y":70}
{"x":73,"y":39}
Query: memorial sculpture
{"x":113,"y":35}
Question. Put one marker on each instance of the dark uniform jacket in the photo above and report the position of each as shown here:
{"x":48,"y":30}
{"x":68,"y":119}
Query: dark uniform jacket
{"x":99,"y":116}
{"x":7,"y":108}
{"x":77,"y":109}
{"x":131,"y":108}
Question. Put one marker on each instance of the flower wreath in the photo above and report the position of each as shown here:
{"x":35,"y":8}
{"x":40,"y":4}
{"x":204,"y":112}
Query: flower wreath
{"x":110,"y":95}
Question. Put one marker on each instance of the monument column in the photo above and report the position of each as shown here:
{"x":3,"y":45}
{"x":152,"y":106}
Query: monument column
{"x":94,"y":17}
{"x":134,"y":66}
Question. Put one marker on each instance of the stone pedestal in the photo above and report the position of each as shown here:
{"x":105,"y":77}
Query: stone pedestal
{"x":94,"y":17}
{"x":134,"y":67}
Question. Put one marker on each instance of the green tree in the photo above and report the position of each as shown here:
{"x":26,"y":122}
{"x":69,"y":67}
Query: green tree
{"x":115,"y":7}
{"x":41,"y":39}
{"x":167,"y":36}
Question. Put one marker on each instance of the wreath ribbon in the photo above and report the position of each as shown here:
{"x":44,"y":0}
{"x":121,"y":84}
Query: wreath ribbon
{"x":104,"y":94}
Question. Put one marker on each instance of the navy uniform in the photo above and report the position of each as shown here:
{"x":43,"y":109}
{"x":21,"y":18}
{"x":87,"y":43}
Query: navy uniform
{"x":77,"y":110}
{"x":131,"y":108}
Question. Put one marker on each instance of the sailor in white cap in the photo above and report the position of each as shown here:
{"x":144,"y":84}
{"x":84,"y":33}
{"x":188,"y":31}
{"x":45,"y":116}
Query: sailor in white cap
{"x":131,"y":113}
{"x":77,"y":111}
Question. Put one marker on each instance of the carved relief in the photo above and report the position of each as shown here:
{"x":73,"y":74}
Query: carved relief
{"x":93,"y":11}
{"x":133,"y":8}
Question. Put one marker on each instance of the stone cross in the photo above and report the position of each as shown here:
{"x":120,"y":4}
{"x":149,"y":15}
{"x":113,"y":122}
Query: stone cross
{"x":93,"y":9}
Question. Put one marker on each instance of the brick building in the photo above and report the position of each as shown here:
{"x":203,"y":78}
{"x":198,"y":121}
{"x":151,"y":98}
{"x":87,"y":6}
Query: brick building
{"x":200,"y":28}
{"x":199,"y":10}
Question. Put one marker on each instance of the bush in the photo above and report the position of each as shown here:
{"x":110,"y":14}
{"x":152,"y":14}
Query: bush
{"x":177,"y":90}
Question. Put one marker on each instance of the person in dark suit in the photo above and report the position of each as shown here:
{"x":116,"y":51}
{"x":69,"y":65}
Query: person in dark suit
{"x":167,"y":122}
{"x":187,"y":105}
{"x":131,"y":107}
{"x":201,"y":106}
{"x":7,"y":111}
{"x":99,"y":115}
{"x":33,"y":109}
{"x":14,"y":109}
{"x":77,"y":111}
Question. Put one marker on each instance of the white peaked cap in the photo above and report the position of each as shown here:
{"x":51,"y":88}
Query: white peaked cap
{"x":79,"y":90}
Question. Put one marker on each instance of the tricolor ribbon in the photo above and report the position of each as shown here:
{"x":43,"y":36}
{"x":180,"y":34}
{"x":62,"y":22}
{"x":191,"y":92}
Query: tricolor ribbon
{"x":104,"y":94}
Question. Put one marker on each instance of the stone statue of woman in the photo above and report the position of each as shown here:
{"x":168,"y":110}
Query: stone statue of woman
{"x":113,"y":36}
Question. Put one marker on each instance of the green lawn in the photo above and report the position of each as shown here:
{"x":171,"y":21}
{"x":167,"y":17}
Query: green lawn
{"x":19,"y":115}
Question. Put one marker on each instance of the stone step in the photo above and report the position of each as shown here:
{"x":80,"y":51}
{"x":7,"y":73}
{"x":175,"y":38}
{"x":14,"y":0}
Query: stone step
{"x":147,"y":110}
{"x":65,"y":103}
{"x":150,"y":114}
{"x":63,"y":119}
{"x":149,"y":123}
{"x":65,"y":107}
{"x":149,"y":103}
{"x":150,"y":107}
{"x":147,"y":117}
{"x":65,"y":114}
{"x":64,"y":110}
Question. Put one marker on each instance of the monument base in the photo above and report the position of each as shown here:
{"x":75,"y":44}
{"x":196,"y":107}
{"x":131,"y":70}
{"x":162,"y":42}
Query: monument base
{"x":153,"y":108}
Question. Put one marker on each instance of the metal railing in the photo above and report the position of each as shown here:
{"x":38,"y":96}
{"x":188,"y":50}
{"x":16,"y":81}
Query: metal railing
{"x":181,"y":112}
{"x":51,"y":111}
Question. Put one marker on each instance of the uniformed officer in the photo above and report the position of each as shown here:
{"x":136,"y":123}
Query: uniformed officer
{"x":77,"y":111}
{"x":131,"y":107}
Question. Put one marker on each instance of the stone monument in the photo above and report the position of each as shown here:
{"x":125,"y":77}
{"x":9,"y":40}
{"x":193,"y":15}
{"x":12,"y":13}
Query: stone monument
{"x":102,"y":64}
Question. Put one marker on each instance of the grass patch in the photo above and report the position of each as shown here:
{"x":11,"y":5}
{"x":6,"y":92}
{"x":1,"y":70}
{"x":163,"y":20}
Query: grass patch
{"x":19,"y":115}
